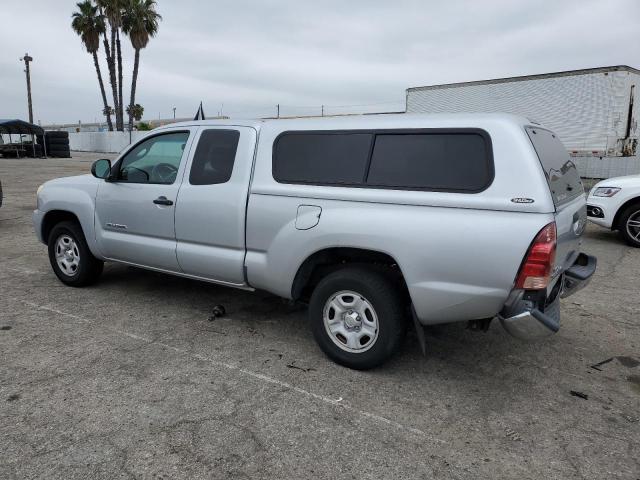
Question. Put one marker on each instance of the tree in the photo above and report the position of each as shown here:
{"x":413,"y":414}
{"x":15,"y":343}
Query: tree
{"x":140,"y":22}
{"x":89,"y":25}
{"x":136,"y":111}
{"x":113,"y":11}
{"x":112,"y":70}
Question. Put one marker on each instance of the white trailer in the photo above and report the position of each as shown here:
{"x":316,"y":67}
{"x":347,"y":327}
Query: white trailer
{"x":593,"y":111}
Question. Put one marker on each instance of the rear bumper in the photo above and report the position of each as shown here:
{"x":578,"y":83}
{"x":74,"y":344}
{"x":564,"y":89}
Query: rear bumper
{"x":530,"y":315}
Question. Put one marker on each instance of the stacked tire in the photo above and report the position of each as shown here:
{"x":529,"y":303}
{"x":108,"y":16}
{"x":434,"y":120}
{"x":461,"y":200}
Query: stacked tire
{"x":34,"y":150}
{"x":56,"y":143}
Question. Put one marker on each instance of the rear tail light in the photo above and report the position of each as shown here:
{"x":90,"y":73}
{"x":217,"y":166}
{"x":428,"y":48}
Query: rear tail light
{"x":537,"y":267}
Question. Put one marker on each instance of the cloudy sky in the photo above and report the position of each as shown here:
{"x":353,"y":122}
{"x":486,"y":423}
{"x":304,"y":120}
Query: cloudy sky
{"x":244,"y":57}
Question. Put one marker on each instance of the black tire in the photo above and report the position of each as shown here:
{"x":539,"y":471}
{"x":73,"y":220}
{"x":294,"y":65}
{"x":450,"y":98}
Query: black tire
{"x":88,"y":269}
{"x":54,"y":142}
{"x":59,"y":153}
{"x":386,"y":302}
{"x":38,"y":151}
{"x":630,"y":234}
{"x":57,"y":134}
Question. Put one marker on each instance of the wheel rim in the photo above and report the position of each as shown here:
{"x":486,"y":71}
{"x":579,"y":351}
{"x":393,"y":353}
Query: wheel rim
{"x":633,"y":226}
{"x":350,"y":321}
{"x":67,"y":255}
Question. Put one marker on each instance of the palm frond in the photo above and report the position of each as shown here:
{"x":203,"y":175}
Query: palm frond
{"x":140,"y":22}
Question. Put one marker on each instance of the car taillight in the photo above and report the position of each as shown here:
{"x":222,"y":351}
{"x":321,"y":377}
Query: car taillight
{"x":536,"y":269}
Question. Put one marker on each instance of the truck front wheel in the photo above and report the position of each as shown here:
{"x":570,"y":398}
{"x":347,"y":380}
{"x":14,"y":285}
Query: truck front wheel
{"x":357,"y":317}
{"x":70,"y":257}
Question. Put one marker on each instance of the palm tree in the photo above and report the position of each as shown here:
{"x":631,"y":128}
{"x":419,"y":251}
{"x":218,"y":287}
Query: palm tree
{"x":113,"y":10}
{"x":89,"y":24}
{"x":136,"y":111}
{"x":140,"y":22}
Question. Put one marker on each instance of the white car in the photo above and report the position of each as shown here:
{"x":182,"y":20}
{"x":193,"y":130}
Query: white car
{"x":615,"y":203}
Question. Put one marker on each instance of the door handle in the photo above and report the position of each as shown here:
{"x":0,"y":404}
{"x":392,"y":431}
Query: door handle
{"x":163,"y":201}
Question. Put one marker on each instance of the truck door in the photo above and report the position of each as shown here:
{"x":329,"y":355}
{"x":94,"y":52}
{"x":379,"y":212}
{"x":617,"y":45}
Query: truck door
{"x":134,"y":213}
{"x":212,"y":202}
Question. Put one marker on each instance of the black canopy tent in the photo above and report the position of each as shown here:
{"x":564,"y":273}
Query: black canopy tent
{"x":20,"y":127}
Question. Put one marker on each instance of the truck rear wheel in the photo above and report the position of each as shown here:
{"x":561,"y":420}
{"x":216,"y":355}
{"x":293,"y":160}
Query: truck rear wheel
{"x":629,"y":226}
{"x":357,"y":317}
{"x":70,"y":257}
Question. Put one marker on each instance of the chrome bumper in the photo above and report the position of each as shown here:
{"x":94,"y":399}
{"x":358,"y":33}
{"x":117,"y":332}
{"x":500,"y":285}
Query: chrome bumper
{"x":530,"y":315}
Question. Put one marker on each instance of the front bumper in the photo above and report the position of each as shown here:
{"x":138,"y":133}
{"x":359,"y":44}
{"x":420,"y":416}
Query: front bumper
{"x":37,"y":218}
{"x":599,"y":212}
{"x":529,"y":315}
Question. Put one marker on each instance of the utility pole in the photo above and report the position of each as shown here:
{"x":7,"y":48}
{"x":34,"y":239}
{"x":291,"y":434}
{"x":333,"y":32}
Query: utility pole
{"x":174,"y":113}
{"x":278,"y":107}
{"x":323,"y":110}
{"x":27,"y":59}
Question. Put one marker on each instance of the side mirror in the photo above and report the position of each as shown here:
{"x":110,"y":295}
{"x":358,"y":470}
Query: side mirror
{"x":101,"y":168}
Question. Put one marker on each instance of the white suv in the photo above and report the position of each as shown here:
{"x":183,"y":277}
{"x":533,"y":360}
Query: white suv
{"x":615,"y":203}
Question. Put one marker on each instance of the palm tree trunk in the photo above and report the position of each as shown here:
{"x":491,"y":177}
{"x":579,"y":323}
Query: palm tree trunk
{"x":112,"y":77}
{"x":134,"y":79}
{"x":113,"y":43}
{"x":116,"y":99}
{"x":104,"y":95}
{"x":121,"y":101}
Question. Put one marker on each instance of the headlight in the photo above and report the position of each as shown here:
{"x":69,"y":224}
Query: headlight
{"x":39,"y":189}
{"x":605,"y":191}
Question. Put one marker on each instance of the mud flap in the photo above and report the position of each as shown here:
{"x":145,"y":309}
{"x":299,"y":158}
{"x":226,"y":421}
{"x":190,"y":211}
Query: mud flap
{"x":419,"y":331}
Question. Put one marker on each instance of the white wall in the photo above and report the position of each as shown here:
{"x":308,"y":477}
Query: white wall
{"x":103,"y":142}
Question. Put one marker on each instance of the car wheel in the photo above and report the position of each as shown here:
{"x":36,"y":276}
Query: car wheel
{"x":357,"y":317}
{"x":70,"y":257}
{"x":630,"y":225}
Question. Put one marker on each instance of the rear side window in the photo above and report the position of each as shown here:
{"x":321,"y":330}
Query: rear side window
{"x":431,"y":161}
{"x":321,"y":158}
{"x":214,"y":157}
{"x":562,"y":175}
{"x":457,"y":160}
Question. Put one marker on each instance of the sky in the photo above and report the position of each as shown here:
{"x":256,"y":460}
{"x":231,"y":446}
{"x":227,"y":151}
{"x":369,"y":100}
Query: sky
{"x":243,"y":57}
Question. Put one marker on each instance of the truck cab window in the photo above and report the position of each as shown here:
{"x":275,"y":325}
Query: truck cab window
{"x":214,"y":157}
{"x":155,"y":160}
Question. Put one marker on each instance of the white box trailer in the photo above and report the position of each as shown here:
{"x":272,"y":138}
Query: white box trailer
{"x":593,"y":111}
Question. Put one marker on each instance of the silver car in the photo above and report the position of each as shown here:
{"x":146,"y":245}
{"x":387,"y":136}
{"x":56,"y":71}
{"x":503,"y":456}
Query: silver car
{"x":377,"y":222}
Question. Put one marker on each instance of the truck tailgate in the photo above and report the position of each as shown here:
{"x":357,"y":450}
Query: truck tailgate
{"x":571,"y":220}
{"x":567,"y":192}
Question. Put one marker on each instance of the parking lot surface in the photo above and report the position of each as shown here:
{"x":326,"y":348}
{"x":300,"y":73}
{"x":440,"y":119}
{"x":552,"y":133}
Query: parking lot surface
{"x":130,"y":379}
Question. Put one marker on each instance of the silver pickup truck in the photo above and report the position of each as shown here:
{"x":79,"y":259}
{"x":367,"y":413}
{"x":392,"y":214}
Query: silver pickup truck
{"x":377,"y":222}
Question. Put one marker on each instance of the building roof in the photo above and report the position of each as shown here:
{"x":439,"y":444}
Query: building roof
{"x":12,"y":126}
{"x":568,"y":73}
